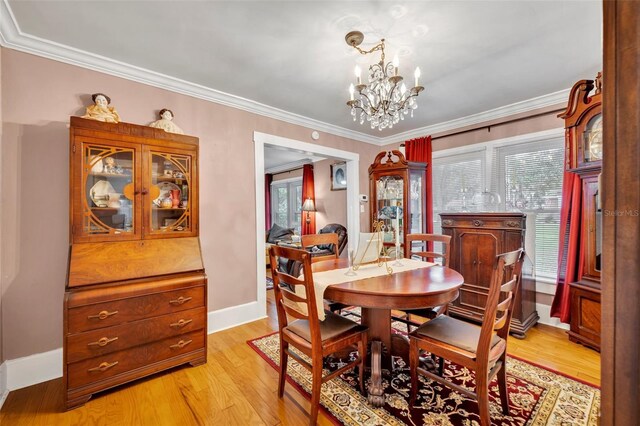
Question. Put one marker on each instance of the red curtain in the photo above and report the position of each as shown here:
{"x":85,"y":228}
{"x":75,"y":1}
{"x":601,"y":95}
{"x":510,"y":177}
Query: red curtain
{"x":268,"y":178}
{"x":420,"y":150}
{"x":570,"y":248}
{"x":308,"y":191}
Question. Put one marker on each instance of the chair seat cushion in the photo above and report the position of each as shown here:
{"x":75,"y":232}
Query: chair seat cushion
{"x":332,"y":326}
{"x":454,"y":332}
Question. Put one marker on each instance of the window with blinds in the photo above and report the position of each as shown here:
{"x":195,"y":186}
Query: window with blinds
{"x":526,"y":176}
{"x":456,"y":178}
{"x":529,"y":179}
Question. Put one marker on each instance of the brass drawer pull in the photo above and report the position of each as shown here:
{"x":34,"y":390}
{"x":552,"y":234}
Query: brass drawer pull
{"x":104,"y":366}
{"x":104,"y":341}
{"x":180,"y":300}
{"x":180,"y":323}
{"x":181,"y":344}
{"x":102,"y":315}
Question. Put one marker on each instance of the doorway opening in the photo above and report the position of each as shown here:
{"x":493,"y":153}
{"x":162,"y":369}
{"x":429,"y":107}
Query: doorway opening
{"x":264,"y":141}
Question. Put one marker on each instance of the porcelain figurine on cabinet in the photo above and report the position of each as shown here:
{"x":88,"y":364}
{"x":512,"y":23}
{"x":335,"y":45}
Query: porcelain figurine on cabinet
{"x":100,"y":110}
{"x":165,"y":122}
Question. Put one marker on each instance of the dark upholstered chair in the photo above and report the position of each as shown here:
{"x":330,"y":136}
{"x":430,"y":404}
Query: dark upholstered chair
{"x":480,"y":349}
{"x":342,"y":235}
{"x":307,"y":333}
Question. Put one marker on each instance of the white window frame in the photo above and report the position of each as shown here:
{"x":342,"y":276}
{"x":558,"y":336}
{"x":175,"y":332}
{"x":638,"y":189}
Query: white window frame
{"x":489,"y":147}
{"x":291,"y":184}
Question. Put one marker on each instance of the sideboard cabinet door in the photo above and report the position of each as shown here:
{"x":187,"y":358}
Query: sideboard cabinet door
{"x":476,"y":239}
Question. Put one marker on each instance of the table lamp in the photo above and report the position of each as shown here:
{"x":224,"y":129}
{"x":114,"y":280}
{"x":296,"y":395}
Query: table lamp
{"x":308,"y":206}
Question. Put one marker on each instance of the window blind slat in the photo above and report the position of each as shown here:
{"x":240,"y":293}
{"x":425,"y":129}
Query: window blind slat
{"x":528,"y":178}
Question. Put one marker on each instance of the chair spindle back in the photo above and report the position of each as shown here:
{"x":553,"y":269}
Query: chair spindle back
{"x":429,"y":256}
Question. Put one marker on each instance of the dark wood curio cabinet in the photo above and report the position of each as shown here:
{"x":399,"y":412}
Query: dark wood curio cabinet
{"x":135,"y":299}
{"x":396,"y":188}
{"x":583,"y":145}
{"x":476,"y":240}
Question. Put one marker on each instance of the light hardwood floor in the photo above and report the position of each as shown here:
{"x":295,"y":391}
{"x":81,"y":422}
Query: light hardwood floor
{"x":236,"y":387}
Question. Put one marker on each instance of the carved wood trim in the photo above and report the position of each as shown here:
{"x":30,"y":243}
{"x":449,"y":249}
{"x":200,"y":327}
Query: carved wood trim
{"x":377,"y":162}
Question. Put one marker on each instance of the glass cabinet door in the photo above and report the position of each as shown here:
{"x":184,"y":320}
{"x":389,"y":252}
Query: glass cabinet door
{"x":416,"y":202}
{"x":169,"y":200}
{"x":390,"y":207}
{"x":109,"y":202}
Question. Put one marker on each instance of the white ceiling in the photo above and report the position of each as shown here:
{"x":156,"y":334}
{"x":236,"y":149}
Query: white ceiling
{"x":474,"y":55}
{"x":278,"y":160}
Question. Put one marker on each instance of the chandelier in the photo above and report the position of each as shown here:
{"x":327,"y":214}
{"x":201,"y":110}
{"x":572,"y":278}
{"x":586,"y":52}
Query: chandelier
{"x":385,"y":100}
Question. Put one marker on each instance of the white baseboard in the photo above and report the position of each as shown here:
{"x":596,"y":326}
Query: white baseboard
{"x":33,"y":369}
{"x":4,"y":391}
{"x":234,"y":316}
{"x":544,"y":311}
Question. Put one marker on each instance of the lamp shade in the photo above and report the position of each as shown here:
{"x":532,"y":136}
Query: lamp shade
{"x":308,"y":205}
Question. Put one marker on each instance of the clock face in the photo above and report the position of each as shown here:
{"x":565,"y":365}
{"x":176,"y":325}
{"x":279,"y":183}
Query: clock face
{"x":593,"y":139}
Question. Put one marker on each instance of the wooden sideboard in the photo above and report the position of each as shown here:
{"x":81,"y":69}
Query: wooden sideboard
{"x":136,"y":291}
{"x":476,"y":239}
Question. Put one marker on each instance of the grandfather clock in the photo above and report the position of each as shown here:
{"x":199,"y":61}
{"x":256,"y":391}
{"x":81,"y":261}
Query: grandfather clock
{"x":583,"y":142}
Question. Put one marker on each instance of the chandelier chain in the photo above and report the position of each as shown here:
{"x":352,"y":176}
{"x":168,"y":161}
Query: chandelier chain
{"x":379,"y":46}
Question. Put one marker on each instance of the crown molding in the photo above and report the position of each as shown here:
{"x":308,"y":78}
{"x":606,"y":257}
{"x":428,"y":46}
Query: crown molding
{"x":13,"y":38}
{"x":539,"y":102}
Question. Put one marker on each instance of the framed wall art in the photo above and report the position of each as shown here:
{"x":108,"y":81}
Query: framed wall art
{"x":338,"y":176}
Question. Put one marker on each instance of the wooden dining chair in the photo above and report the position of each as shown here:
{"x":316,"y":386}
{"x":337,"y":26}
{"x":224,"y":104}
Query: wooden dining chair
{"x":314,"y":338}
{"x":429,"y":256}
{"x":482,"y":349}
{"x":329,"y":244}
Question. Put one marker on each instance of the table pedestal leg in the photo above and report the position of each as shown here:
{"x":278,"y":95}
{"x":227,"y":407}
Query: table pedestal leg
{"x":376,"y":397}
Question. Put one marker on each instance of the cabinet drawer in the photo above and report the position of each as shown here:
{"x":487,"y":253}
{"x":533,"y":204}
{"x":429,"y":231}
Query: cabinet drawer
{"x":114,"y":312}
{"x":111,"y":339}
{"x":102,"y":367}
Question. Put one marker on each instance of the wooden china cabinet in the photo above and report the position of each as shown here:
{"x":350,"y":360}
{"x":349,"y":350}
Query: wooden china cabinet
{"x":583,"y":144}
{"x":476,"y":240}
{"x":136,"y":290}
{"x":397,"y":185}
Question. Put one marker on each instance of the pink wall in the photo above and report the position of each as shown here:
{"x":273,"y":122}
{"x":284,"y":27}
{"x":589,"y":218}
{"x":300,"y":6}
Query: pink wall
{"x":39,"y":95}
{"x":332,"y":205}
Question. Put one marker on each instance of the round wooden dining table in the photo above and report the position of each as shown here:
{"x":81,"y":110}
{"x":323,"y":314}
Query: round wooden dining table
{"x":378,"y":296}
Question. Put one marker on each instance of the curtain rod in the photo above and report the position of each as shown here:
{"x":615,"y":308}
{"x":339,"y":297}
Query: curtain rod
{"x":488,"y":127}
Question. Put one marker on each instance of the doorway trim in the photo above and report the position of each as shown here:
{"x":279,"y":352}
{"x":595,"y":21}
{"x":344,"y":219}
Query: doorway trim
{"x":353,"y":189}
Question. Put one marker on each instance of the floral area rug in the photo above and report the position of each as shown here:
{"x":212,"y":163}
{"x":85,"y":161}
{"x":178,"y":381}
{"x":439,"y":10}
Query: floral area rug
{"x":269,"y":283}
{"x":537,"y":396}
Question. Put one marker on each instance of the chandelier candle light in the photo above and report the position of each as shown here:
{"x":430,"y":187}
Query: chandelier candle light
{"x":385,"y":100}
